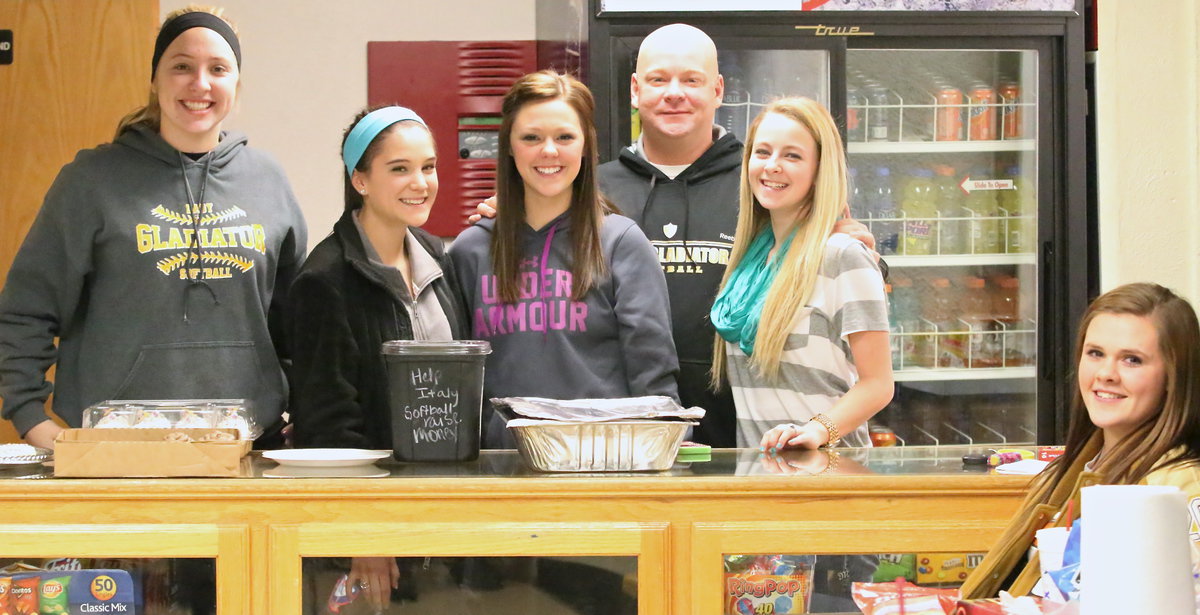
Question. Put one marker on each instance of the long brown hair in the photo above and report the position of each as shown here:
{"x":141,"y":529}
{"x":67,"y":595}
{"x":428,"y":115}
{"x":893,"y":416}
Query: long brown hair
{"x":150,"y":114}
{"x":1176,"y":425}
{"x":587,"y":208}
{"x":800,"y":267}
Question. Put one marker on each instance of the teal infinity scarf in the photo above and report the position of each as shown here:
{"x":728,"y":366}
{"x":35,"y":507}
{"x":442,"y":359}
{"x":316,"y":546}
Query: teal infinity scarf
{"x":738,"y":307}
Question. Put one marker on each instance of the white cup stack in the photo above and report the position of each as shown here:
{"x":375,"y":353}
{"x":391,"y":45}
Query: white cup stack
{"x":1135,"y":552}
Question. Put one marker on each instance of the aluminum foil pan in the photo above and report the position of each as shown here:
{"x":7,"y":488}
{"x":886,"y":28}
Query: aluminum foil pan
{"x":617,"y":446}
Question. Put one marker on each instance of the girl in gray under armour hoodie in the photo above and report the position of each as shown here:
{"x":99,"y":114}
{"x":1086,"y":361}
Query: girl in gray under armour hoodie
{"x":147,"y":300}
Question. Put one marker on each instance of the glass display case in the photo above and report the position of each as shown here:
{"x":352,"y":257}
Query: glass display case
{"x":493,"y":533}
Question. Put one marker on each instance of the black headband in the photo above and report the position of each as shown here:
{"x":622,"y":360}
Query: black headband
{"x":197,"y":19}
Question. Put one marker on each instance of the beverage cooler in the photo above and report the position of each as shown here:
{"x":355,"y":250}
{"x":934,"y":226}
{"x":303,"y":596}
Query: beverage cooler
{"x":964,"y":127}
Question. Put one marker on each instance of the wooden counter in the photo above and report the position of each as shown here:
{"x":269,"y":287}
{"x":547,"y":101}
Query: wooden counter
{"x":678,"y":523}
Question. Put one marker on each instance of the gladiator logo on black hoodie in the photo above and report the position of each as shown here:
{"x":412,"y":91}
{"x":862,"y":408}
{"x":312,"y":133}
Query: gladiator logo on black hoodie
{"x":214,"y":258}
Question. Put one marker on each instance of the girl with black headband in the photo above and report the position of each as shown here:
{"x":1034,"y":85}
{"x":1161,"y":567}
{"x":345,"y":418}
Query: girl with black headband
{"x":159,"y":261}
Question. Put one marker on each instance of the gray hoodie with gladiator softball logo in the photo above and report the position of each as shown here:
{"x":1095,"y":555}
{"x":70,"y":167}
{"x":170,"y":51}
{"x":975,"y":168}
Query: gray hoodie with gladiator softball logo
{"x":161,"y":276}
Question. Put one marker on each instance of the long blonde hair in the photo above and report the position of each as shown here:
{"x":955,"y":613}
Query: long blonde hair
{"x":800,"y":266}
{"x":151,"y":114}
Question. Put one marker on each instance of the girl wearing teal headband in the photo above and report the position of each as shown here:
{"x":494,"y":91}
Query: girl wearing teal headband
{"x":377,"y":277}
{"x":801,"y":317}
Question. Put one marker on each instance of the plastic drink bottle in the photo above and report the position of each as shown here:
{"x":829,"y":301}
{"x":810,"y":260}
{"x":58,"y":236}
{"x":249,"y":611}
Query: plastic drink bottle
{"x":920,"y":213}
{"x":941,"y":308}
{"x":882,"y":205}
{"x":1021,"y":207}
{"x":905,"y":317}
{"x":732,"y":112}
{"x":879,"y":124}
{"x":857,"y":195}
{"x":952,"y":237}
{"x":981,"y":344}
{"x":986,"y":233}
{"x":856,"y":104}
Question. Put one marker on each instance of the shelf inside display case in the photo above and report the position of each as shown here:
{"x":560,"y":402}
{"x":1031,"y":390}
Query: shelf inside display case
{"x":918,"y":374}
{"x":939,"y":147}
{"x":897,"y":261}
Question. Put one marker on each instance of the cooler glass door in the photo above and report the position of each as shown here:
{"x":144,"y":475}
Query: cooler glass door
{"x":943,"y":148}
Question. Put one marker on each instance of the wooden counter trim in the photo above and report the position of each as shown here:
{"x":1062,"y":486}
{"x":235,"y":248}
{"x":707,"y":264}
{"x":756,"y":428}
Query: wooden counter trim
{"x":475,"y":488}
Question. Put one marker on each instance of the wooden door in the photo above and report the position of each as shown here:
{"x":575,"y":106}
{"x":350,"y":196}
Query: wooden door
{"x":78,"y":67}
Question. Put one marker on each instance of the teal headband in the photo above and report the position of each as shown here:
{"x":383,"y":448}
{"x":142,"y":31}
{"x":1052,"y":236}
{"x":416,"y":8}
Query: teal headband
{"x":368,"y":128}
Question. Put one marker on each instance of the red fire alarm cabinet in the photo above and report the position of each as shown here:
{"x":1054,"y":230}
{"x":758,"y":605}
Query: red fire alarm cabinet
{"x":457,"y":88}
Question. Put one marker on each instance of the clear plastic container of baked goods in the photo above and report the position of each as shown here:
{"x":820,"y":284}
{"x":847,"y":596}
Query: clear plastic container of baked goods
{"x":173,"y":414}
{"x":610,"y":446}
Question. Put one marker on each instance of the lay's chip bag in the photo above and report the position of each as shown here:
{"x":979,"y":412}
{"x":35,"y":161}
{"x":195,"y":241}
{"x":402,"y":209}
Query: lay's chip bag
{"x":52,"y":593}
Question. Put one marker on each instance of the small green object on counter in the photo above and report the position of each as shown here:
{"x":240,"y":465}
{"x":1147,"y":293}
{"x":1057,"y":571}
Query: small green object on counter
{"x":692,"y":451}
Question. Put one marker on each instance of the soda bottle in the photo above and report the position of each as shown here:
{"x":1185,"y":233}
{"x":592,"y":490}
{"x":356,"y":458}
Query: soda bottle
{"x":940,"y":307}
{"x":1010,"y":117}
{"x":952,"y":238}
{"x":882,"y":205}
{"x":949,"y":112}
{"x":856,"y":105}
{"x":732,"y":112}
{"x":1016,"y":348}
{"x":879,"y":124}
{"x":983,"y":112}
{"x":984,"y":210}
{"x":981,"y":344}
{"x":906,"y":318}
{"x":1021,"y":208}
{"x":859,"y":205}
{"x":893,"y":329}
{"x":920,"y":213}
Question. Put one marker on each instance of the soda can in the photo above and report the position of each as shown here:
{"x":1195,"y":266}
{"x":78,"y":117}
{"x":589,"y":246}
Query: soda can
{"x":1010,"y":97}
{"x":983,"y":113}
{"x":949,"y":113}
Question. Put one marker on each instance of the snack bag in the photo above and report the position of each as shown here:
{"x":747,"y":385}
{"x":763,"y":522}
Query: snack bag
{"x":23,"y":596}
{"x":344,"y":592}
{"x":901,"y":596}
{"x":5,"y":588}
{"x":100,"y":591}
{"x":945,"y":568}
{"x":778,"y":584}
{"x":52,"y":594}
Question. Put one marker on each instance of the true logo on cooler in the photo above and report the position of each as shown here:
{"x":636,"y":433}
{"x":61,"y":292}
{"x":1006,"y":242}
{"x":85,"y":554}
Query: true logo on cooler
{"x":103,"y":587}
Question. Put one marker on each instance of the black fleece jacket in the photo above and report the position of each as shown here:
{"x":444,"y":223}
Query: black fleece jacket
{"x":690,"y":221}
{"x":341,"y":312}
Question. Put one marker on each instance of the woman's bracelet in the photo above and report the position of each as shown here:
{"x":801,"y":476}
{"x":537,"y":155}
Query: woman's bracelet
{"x":829,"y":426}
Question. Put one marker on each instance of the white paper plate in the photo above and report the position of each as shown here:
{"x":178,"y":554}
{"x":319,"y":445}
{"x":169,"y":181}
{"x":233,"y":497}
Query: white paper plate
{"x":361,"y":471}
{"x":326,"y":457}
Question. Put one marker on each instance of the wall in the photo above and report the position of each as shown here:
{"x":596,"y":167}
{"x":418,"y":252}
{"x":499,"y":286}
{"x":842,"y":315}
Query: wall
{"x":305,"y":74}
{"x":1147,"y":103}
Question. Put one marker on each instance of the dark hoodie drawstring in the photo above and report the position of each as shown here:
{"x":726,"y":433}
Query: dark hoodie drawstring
{"x":194,"y":253}
{"x":687,"y":211}
{"x":542,"y":294}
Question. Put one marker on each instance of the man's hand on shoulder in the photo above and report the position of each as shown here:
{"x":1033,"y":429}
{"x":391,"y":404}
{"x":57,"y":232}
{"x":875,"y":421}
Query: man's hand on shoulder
{"x":857,"y":230}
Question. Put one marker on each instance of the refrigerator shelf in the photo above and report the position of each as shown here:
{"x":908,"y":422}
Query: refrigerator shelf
{"x":897,"y":261}
{"x":917,"y":374}
{"x":939,"y":147}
